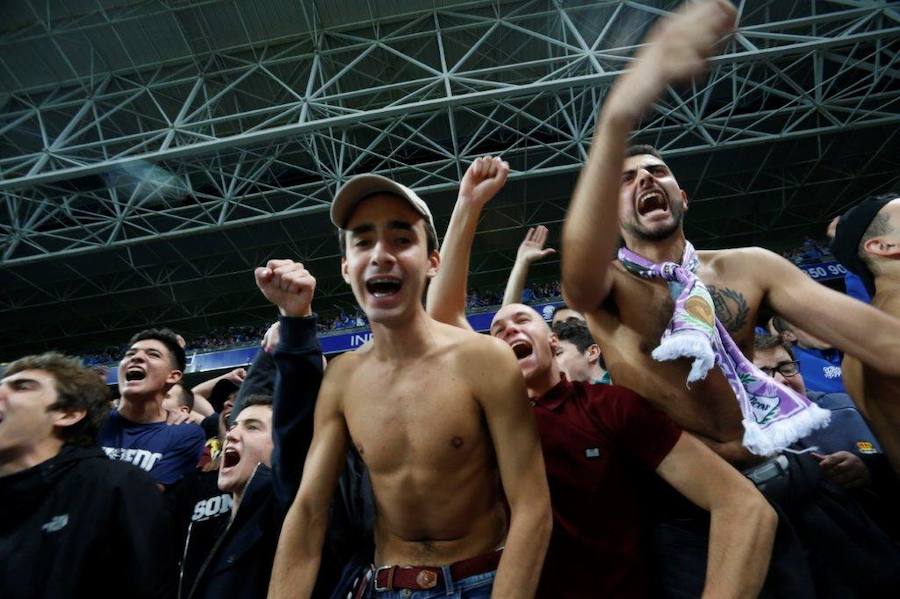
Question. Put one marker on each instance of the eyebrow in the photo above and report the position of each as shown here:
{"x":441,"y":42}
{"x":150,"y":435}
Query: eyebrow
{"x":644,"y":165}
{"x":510,"y":317}
{"x":361,"y":229}
{"x":10,"y":381}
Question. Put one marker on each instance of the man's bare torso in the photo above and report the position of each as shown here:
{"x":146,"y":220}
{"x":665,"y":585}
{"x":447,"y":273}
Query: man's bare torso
{"x":875,"y":394}
{"x":422,"y":434}
{"x":630,"y":324}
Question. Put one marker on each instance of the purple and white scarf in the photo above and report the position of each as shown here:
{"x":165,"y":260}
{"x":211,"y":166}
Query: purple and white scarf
{"x":774,"y":416}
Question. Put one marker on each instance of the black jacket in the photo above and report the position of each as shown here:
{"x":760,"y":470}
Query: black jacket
{"x":234,"y":559}
{"x":82,"y":525}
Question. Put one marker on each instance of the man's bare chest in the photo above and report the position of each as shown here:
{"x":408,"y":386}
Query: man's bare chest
{"x":646,"y":306}
{"x":420,"y":417}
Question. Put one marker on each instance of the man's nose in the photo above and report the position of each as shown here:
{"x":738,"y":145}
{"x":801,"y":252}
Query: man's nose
{"x":231,"y":436}
{"x":381,"y":253}
{"x":644,"y":178}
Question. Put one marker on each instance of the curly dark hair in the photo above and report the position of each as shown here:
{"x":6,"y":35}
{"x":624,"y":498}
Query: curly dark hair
{"x":77,"y":388}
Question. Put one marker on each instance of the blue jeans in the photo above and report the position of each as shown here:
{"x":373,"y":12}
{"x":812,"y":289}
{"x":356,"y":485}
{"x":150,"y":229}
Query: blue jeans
{"x":474,"y":587}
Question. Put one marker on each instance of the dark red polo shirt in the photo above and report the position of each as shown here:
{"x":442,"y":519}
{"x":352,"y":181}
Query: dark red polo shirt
{"x":596,"y":439}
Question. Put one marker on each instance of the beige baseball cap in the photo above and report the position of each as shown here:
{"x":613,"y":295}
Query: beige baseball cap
{"x":362,"y":186}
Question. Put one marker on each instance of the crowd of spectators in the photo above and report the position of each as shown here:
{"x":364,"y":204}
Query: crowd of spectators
{"x":810,"y":252}
{"x":349,"y":318}
{"x":345,"y":319}
{"x":544,"y":461}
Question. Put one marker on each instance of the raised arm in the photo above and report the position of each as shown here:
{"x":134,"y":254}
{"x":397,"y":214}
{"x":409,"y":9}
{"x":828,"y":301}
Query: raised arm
{"x":530,"y":250}
{"x":298,"y":359}
{"x":446,"y":300}
{"x":501,"y":392}
{"x":853,"y":327}
{"x":742,"y":523}
{"x":675,"y":50}
{"x":204,"y":390}
{"x":303,"y":532}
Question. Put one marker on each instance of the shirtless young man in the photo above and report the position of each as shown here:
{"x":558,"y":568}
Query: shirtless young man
{"x":867,"y":242}
{"x":635,"y":195}
{"x":438,"y":414}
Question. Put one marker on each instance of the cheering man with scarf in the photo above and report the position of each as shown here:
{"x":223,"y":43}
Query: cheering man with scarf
{"x":676,"y":325}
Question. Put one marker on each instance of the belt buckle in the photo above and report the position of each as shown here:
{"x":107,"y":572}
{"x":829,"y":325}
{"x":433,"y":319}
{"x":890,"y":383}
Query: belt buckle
{"x":390,"y":580}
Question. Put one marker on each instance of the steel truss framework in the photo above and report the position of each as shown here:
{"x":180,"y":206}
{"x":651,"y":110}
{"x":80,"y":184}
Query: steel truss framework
{"x":235,"y":140}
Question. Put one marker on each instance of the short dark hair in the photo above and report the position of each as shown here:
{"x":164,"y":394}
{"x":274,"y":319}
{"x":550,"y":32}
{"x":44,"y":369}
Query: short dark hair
{"x":77,"y":388}
{"x":342,"y":237}
{"x":575,"y":332}
{"x":254,"y":399}
{"x":185,"y":395}
{"x":770,"y":342}
{"x":880,"y":225}
{"x":167,"y":337}
{"x":641,"y":149}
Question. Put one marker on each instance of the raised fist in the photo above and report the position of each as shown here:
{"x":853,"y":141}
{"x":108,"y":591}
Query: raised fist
{"x":675,"y":50}
{"x":532,"y":247}
{"x":237,"y":376}
{"x":483,"y":179}
{"x":288,"y":285}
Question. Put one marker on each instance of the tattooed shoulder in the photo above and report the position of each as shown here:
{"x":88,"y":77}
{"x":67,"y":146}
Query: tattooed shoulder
{"x":731,"y":307}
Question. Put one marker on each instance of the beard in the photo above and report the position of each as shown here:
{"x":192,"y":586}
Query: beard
{"x":658,"y":234}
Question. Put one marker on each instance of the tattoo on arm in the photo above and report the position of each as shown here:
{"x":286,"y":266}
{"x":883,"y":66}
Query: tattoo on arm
{"x":731,"y":307}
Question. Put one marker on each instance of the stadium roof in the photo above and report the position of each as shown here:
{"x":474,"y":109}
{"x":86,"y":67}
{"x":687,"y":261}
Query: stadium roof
{"x":153,"y":151}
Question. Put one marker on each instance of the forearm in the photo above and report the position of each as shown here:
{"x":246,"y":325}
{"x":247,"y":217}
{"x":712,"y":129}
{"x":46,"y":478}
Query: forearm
{"x":298,"y":361}
{"x":446,"y":300}
{"x":591,"y":229}
{"x":299,"y":554}
{"x":202,"y":405}
{"x":526,"y":545}
{"x":741,"y":535}
{"x":204,"y":389}
{"x":516,"y":283}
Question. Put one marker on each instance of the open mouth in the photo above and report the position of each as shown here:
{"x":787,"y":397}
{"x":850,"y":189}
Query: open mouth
{"x":230,"y":457}
{"x":522,"y":349}
{"x":383,"y":286}
{"x":651,"y":201}
{"x":135,"y":374}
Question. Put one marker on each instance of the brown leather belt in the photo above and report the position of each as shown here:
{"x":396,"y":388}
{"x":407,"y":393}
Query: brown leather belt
{"x":421,"y":578}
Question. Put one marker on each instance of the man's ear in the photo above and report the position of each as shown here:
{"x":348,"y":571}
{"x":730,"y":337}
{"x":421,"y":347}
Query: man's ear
{"x":684,"y":199}
{"x":68,"y":418}
{"x":434,"y":264}
{"x":344,"y":270}
{"x":882,"y":246}
{"x":554,"y":342}
{"x":788,"y":336}
{"x":174,"y":377}
{"x":592,"y":353}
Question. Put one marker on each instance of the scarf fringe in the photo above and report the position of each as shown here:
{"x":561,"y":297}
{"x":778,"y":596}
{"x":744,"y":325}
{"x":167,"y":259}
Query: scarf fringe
{"x":782,"y":433}
{"x":688,"y":343}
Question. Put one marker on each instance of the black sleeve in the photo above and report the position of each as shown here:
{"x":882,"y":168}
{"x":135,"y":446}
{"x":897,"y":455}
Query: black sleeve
{"x":143,"y":543}
{"x":260,"y":380}
{"x":299,"y":368}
